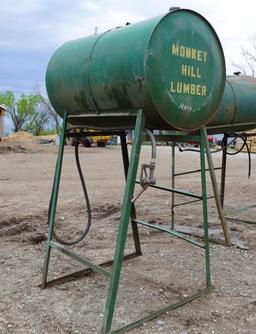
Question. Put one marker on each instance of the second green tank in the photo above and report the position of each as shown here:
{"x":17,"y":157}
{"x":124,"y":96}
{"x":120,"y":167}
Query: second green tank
{"x":237,"y":111}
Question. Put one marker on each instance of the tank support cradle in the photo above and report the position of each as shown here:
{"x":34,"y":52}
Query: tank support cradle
{"x":128,"y":213}
{"x":217,"y":196}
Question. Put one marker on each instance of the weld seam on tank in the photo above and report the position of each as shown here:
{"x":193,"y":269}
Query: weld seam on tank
{"x":235,"y":101}
{"x":88,"y":65}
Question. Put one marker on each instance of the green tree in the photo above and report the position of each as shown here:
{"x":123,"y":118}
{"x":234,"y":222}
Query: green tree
{"x":25,"y":112}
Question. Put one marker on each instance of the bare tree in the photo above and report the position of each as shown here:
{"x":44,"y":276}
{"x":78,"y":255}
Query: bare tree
{"x":47,"y":110}
{"x":38,"y":120}
{"x":248,"y":66}
{"x":54,"y":119}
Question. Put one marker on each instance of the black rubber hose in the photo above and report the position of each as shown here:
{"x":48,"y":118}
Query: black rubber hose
{"x":249,"y":160}
{"x":242,"y":136}
{"x":215,"y":151}
{"x":88,"y":205}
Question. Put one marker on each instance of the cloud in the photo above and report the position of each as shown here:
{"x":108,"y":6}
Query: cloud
{"x":30,"y":30}
{"x":90,"y":6}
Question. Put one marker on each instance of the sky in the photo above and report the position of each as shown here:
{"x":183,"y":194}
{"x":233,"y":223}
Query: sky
{"x":31,"y":30}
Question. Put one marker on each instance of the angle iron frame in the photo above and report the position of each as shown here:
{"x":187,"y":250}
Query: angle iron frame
{"x":223,"y":183}
{"x":128,"y":213}
{"x":217,"y":196}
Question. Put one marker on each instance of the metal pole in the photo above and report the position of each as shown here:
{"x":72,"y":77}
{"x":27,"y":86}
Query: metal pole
{"x":135,"y":230}
{"x":223,"y":170}
{"x":173,"y":185}
{"x":215,"y":189}
{"x":124,"y":222}
{"x":54,"y":200}
{"x":205,"y":212}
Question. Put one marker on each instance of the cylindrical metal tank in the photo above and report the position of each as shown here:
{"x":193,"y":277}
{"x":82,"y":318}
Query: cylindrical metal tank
{"x":237,"y":111}
{"x":172,"y":66}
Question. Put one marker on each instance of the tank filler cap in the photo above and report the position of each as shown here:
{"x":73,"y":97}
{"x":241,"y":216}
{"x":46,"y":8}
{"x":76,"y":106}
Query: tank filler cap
{"x":171,"y":9}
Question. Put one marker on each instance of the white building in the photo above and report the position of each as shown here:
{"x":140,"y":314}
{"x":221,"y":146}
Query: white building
{"x":2,"y":114}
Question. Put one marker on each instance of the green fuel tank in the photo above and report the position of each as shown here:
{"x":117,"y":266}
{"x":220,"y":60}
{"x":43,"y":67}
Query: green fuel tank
{"x":172,"y":66}
{"x":237,"y":111}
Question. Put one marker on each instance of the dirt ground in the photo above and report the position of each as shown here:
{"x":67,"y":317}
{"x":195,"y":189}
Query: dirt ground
{"x":169,"y":269}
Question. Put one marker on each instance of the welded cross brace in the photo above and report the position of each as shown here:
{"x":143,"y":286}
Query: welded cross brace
{"x":218,"y":197}
{"x":222,"y":188}
{"x":51,"y":244}
{"x":128,"y":213}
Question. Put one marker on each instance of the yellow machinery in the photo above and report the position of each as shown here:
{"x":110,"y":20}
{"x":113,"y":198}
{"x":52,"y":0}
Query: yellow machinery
{"x":87,"y":141}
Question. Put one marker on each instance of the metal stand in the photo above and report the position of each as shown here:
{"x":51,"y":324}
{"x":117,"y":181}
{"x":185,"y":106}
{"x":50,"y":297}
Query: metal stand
{"x":133,"y":209}
{"x":173,"y":185}
{"x":216,"y":192}
{"x":223,"y":184}
{"x":128,"y":213}
{"x":223,"y":170}
{"x":92,"y":267}
{"x":217,"y":197}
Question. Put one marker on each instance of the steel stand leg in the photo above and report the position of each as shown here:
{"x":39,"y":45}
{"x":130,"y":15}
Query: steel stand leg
{"x":215,"y":189}
{"x":124,"y":222}
{"x":173,"y":185}
{"x":135,"y":230}
{"x":223,"y":170}
{"x":205,"y":212}
{"x":54,"y":200}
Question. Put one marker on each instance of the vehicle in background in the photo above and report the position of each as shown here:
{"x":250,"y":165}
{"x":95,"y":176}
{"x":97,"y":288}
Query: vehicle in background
{"x":88,"y":141}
